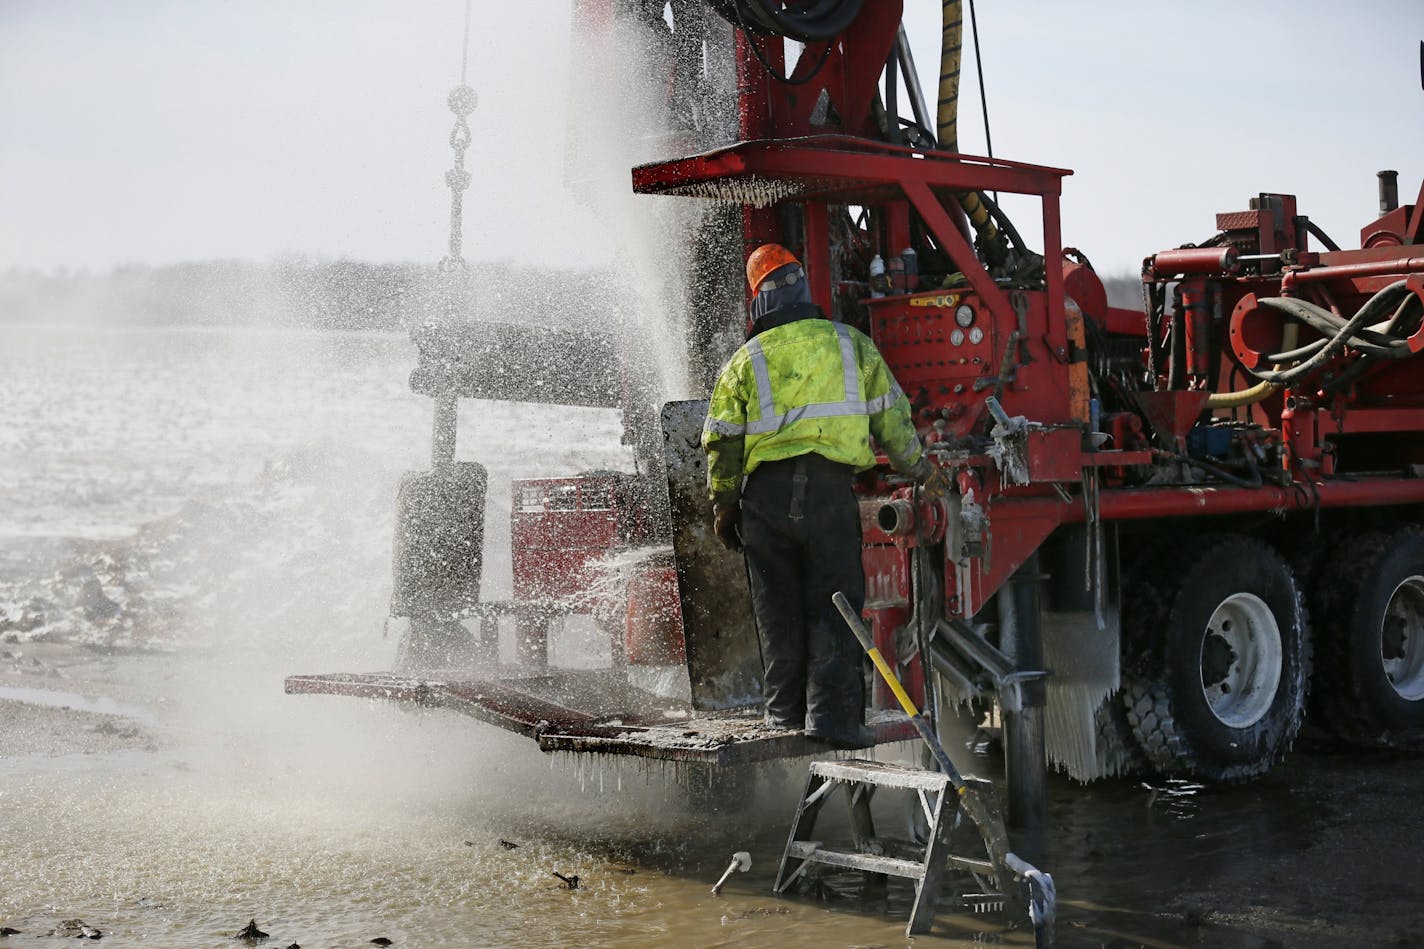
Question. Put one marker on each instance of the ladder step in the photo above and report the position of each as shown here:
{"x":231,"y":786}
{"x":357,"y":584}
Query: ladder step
{"x":811,"y":851}
{"x":971,"y":864}
{"x":879,"y":773}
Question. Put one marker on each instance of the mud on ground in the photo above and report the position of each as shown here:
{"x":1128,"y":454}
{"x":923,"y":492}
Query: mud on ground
{"x":1328,"y":850}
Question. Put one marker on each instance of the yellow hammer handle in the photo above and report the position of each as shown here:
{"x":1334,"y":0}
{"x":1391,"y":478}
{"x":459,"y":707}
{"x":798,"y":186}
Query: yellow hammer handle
{"x":862,"y":634}
{"x":893,"y":681}
{"x":927,"y":734}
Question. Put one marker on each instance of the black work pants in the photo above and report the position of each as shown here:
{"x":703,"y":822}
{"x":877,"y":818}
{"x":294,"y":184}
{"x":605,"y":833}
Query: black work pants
{"x":810,"y":659}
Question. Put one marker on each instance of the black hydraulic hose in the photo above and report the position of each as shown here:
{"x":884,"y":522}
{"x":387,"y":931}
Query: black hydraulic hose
{"x":927,"y":139}
{"x":1409,"y":303}
{"x":1369,"y":313}
{"x":1003,"y":221}
{"x":816,"y":22}
{"x":1357,"y":370}
{"x":1222,"y":473}
{"x":1299,"y":353}
{"x":1328,"y":323}
{"x":1320,"y":235}
{"x":739,"y":18}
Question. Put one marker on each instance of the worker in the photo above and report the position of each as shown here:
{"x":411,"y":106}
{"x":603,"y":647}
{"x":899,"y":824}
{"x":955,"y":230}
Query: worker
{"x":788,"y":426}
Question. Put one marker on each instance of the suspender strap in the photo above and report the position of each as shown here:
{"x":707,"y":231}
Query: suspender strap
{"x":798,"y":488}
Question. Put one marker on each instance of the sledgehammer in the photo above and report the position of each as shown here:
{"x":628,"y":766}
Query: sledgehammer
{"x":927,"y":734}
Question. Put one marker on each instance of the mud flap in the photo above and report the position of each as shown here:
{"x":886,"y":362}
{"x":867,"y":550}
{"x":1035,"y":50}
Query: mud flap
{"x":723,"y":655}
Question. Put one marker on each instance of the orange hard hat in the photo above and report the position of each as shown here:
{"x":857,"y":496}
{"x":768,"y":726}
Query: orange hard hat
{"x":765,"y":260}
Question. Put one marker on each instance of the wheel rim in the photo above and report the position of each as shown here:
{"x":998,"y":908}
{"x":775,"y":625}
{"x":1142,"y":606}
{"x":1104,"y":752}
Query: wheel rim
{"x":1402,"y":639}
{"x":1241,"y":659}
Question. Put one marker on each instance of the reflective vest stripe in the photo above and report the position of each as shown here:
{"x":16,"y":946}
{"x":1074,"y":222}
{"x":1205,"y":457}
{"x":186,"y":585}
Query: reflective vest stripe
{"x":883,"y":402}
{"x":849,"y":369}
{"x":763,"y":379}
{"x":731,"y":429}
{"x":762,"y":426}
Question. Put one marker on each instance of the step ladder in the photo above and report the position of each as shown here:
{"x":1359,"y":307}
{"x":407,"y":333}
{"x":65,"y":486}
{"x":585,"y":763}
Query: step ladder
{"x":924,"y":864}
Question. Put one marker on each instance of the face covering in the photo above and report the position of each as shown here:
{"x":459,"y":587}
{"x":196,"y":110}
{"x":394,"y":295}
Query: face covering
{"x":774,"y":299}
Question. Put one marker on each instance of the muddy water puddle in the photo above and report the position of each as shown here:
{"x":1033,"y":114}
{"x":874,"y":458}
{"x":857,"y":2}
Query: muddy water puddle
{"x":163,"y":850}
{"x":335,"y":822}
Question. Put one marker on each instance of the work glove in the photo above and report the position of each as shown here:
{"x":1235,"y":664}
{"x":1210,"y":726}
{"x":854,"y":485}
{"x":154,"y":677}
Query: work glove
{"x":727,"y":524}
{"x":933,"y":480}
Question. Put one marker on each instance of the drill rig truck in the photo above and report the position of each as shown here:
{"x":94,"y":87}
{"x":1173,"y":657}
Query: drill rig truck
{"x":1175,"y":530}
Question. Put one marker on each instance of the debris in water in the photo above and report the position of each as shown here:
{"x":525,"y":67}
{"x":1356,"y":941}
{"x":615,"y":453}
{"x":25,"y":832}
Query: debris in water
{"x":295,"y":945}
{"x":741,"y":860}
{"x":7,"y":931}
{"x":755,"y":912}
{"x":251,"y":933}
{"x":76,"y":929}
{"x":382,"y":941}
{"x":572,"y":882}
{"x":508,"y":844}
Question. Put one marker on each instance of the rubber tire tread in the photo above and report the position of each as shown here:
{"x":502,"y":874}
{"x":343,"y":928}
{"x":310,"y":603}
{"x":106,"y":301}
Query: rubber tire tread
{"x":1341,"y":703}
{"x":1151,"y":596}
{"x":1118,"y":755}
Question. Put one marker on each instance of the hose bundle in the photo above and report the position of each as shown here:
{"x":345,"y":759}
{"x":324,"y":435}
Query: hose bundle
{"x":813,"y":22}
{"x":1367,"y":332}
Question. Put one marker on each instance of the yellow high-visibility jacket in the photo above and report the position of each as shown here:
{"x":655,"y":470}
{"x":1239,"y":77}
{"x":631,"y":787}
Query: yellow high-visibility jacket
{"x":805,"y":386}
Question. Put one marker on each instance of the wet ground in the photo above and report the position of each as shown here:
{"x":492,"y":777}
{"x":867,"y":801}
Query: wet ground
{"x":167,"y":808}
{"x":179,"y":531}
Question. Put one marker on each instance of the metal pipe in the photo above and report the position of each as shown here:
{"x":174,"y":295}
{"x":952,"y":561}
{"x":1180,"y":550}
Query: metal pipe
{"x":442,"y":436}
{"x":896,"y":518}
{"x":1142,"y":503}
{"x":1132,"y":504}
{"x":1374,"y":268}
{"x":912,"y":78}
{"x":1388,"y":191}
{"x":1025,"y":757}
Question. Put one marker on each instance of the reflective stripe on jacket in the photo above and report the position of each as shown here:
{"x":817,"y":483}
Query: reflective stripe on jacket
{"x":800,"y":387}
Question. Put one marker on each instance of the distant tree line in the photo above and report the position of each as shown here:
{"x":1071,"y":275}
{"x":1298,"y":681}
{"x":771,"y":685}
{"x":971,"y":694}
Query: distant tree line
{"x":338,"y":295}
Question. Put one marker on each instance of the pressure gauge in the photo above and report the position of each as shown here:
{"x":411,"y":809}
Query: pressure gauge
{"x":976,"y":336}
{"x":964,"y":315}
{"x":957,"y":337}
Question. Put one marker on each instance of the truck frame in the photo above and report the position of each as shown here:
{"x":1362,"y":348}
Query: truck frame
{"x":1175,"y":530}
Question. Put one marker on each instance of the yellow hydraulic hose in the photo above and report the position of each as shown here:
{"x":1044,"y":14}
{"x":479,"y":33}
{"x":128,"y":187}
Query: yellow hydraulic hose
{"x":952,"y":40}
{"x":947,"y":122}
{"x":1258,"y":392}
{"x":1235,"y":400}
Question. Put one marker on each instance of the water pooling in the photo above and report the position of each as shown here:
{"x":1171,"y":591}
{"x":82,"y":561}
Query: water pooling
{"x":387,"y":824}
{"x":362,"y":821}
{"x":100,"y":704}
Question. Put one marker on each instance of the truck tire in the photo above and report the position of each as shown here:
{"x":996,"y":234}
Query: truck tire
{"x":1117,"y":753}
{"x":1369,"y":607}
{"x":1216,"y":659}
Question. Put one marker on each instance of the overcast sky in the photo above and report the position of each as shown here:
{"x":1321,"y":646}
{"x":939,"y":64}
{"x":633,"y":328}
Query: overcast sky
{"x":152,"y":131}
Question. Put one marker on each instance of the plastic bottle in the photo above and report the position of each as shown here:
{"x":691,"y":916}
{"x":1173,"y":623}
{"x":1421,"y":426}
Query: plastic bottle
{"x":877,"y":273}
{"x":912,"y":269}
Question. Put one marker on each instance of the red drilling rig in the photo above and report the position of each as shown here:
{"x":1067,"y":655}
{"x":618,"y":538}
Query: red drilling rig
{"x":1176,"y":529}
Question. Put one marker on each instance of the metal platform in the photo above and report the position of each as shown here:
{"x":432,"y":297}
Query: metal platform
{"x":537,"y":706}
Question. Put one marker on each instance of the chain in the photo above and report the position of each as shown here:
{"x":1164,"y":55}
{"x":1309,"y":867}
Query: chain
{"x":462,"y":101}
